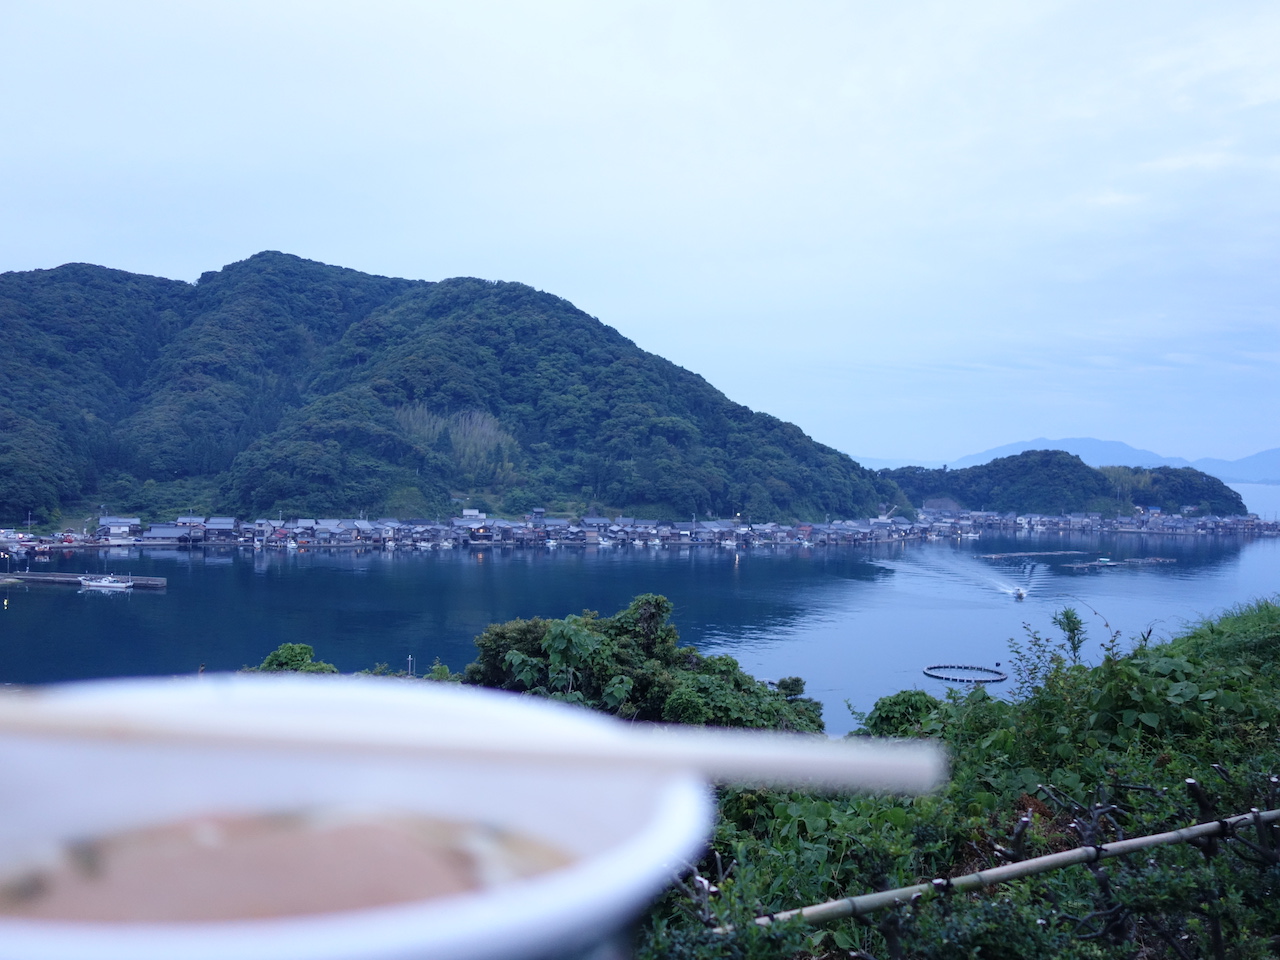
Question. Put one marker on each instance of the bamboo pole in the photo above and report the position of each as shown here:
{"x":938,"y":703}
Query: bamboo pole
{"x":870,"y":902}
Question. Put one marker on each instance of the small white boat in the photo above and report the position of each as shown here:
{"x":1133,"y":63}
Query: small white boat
{"x":105,"y":583}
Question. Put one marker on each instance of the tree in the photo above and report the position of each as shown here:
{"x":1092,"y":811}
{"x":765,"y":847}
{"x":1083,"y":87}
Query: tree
{"x":1068,"y":621}
{"x":293,"y":658}
{"x":631,"y":665}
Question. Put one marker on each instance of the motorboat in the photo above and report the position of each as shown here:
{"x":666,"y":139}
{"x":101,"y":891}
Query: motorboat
{"x":105,"y":583}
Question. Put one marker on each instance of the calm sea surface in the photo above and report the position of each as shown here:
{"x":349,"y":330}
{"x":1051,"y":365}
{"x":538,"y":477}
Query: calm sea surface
{"x":856,"y":623}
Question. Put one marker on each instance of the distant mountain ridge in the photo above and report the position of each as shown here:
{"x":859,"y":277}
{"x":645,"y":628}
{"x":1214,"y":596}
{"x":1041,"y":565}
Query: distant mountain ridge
{"x":1261,"y":467}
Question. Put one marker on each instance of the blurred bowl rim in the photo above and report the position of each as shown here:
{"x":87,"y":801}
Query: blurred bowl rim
{"x":563,"y":910}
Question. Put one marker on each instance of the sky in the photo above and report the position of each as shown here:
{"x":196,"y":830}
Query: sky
{"x":917,"y":230}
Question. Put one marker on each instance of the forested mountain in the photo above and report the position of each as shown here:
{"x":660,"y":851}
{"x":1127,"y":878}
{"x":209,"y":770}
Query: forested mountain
{"x":1056,"y":482}
{"x":79,"y":342}
{"x":282,"y":385}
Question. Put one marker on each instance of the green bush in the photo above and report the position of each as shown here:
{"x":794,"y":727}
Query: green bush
{"x":631,"y":665}
{"x":900,"y":714}
{"x":293,"y":658}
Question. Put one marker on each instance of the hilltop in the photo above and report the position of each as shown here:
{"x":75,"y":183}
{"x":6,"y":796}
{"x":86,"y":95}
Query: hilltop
{"x":279,"y":384}
{"x":1263,"y":467}
{"x":1056,"y":482}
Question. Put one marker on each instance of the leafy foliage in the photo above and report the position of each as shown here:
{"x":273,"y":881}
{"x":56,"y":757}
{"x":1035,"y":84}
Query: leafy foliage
{"x":293,"y":658}
{"x":900,"y":714}
{"x":630,"y":665}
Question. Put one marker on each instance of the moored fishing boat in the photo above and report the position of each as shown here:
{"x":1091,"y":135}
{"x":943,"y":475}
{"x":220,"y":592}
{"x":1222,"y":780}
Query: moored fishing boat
{"x":105,"y":583}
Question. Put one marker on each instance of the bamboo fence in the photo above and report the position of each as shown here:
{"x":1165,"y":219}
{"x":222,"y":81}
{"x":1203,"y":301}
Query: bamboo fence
{"x":870,"y":902}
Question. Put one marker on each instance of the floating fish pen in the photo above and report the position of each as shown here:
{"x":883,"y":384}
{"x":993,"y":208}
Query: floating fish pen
{"x":965,"y":673}
{"x":1090,"y":566}
{"x":1034,"y":553}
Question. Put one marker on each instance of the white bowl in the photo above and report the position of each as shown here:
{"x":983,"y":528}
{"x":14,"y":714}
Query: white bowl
{"x":627,"y":830}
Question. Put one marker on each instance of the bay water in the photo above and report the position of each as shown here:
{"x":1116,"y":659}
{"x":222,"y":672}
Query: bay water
{"x":1260,"y":498}
{"x":856,"y":623}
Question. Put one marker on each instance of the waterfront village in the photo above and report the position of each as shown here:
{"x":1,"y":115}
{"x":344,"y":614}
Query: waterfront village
{"x":474,"y":529}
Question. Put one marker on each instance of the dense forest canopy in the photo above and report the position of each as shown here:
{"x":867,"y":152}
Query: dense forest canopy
{"x":1054,"y":482}
{"x":282,"y":385}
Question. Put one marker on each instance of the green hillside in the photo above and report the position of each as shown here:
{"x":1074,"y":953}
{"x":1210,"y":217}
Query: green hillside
{"x":283,"y":385}
{"x":1055,"y":482}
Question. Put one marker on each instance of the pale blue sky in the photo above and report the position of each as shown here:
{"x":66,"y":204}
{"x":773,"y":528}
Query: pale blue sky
{"x":917,"y":230}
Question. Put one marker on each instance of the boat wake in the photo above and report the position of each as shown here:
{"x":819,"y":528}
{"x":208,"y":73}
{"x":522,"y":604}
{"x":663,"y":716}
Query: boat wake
{"x":1021,"y":587}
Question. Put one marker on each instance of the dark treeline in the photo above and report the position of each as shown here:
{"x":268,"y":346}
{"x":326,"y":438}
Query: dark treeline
{"x":1053,"y":482}
{"x":280,"y":384}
